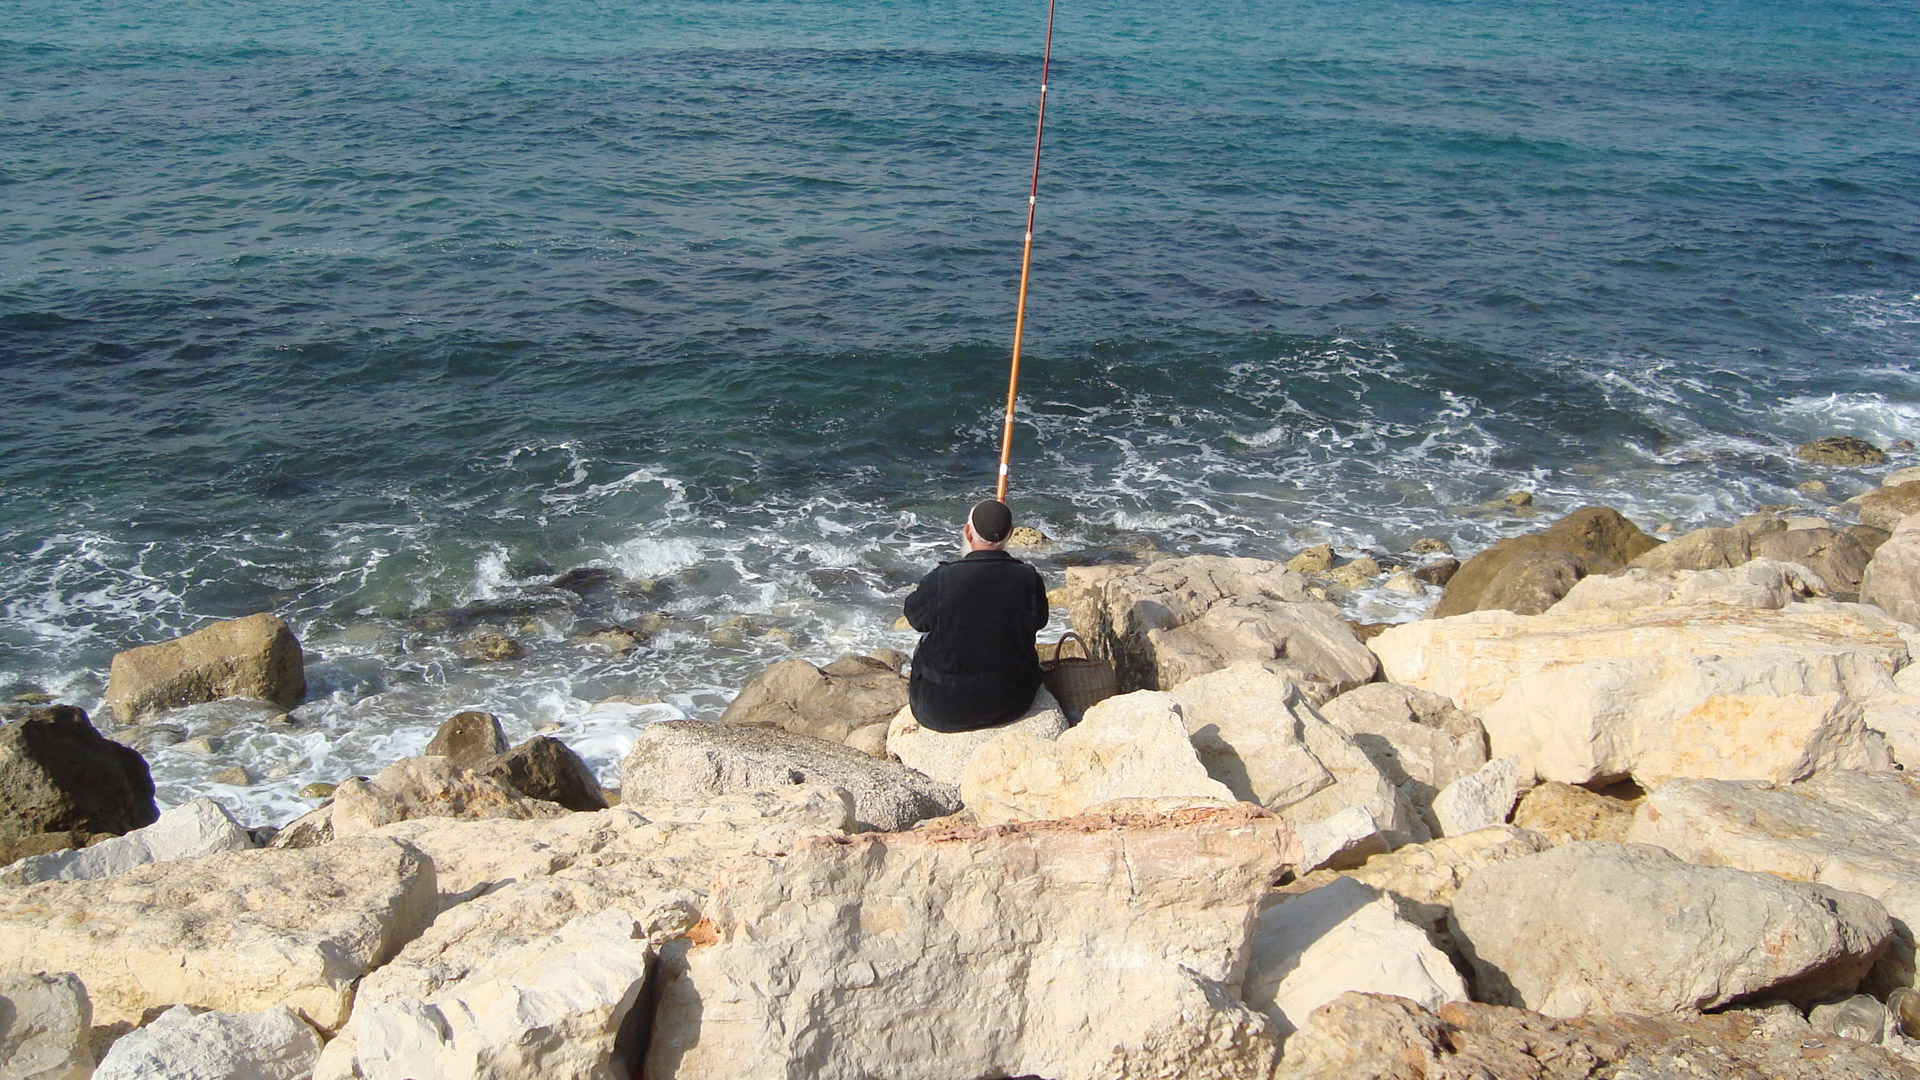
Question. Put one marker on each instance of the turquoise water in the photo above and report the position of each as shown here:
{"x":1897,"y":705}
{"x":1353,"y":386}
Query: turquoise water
{"x":360,"y":312}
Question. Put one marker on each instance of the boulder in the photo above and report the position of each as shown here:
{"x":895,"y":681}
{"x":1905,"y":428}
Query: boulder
{"x":560,"y":1008}
{"x":547,"y":770}
{"x":1891,"y":580}
{"x":1176,"y":619}
{"x":1836,"y":558}
{"x":197,"y":827}
{"x":1077,"y":950}
{"x":1438,"y":572}
{"x":61,"y":782}
{"x":1418,"y":739}
{"x":254,"y":657}
{"x":1886,"y":507}
{"x":1479,"y":800}
{"x":835,"y":703}
{"x":1423,"y":878}
{"x":1377,"y":1037}
{"x":1562,"y":813}
{"x":1701,"y":549}
{"x":944,"y":755}
{"x":1341,"y":840}
{"x":1131,"y":746}
{"x":694,"y":759}
{"x":181,"y":1044}
{"x":238,"y":931}
{"x":1854,"y":831}
{"x":1652,"y":692}
{"x":44,"y":1025}
{"x":426,"y":787}
{"x":1344,"y":936}
{"x":1841,"y":450}
{"x":1529,"y":573}
{"x":1594,"y":928}
{"x":468,"y":738}
{"x":1256,"y":734}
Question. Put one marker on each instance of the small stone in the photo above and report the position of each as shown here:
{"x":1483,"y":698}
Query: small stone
{"x":282,"y":720}
{"x":1314,"y":560}
{"x":490,"y":646}
{"x":236,"y":776}
{"x":1032,"y":539}
{"x":901,"y":623}
{"x":780,"y":636}
{"x":1813,"y":487}
{"x":468,"y":738}
{"x":727,"y":637}
{"x":1437,"y":572}
{"x":204,"y":746}
{"x":1901,"y":444}
{"x":1519,"y":498}
{"x":1480,"y":800}
{"x":1841,"y":450}
{"x":32,"y":697}
{"x":319,"y":789}
{"x":617,"y":639}
{"x":1667,"y":528}
{"x":893,"y":658}
{"x":1431,"y":545}
{"x":1405,"y":582}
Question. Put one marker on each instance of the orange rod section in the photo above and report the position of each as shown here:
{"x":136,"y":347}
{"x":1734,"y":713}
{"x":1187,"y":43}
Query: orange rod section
{"x":1026,"y":265}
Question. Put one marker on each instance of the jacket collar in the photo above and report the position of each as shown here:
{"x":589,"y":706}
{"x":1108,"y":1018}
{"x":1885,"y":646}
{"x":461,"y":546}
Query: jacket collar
{"x":984,"y":556}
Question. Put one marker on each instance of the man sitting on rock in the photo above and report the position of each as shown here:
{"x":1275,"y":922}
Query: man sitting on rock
{"x":976,"y":666}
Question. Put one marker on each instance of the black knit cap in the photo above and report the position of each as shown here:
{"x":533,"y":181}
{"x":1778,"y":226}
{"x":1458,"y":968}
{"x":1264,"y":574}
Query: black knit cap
{"x":991,"y":520}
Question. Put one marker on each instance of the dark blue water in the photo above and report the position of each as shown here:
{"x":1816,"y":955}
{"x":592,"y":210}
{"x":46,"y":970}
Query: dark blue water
{"x":362,"y":311}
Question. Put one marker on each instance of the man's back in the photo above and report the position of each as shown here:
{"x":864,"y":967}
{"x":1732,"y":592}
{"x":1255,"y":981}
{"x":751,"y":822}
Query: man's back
{"x":976,"y":665}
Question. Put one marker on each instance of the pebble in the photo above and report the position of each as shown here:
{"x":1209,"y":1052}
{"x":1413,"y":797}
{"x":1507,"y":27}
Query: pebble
{"x":319,"y":789}
{"x":236,"y":776}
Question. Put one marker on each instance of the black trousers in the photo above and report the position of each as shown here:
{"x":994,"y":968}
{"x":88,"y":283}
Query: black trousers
{"x":946,"y":708}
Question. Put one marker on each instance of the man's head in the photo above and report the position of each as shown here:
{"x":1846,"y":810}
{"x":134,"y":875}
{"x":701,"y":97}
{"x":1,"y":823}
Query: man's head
{"x":988,"y":525}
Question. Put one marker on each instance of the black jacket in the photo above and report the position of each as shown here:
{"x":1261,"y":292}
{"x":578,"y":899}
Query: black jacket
{"x":976,"y":666}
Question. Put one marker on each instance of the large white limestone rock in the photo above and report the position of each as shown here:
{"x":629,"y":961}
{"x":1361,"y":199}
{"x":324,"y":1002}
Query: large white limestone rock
{"x":1892,"y":578}
{"x":238,"y":931}
{"x":1418,"y":739}
{"x":180,"y":1044}
{"x":1176,"y":619}
{"x":1693,"y":689}
{"x":557,"y":1008}
{"x":1854,"y":831}
{"x":196,"y":827}
{"x":1258,"y":735}
{"x":44,"y":1023}
{"x":1592,"y":927}
{"x":1077,"y":950}
{"x":1341,"y":841}
{"x":944,"y":755}
{"x":1311,"y":948}
{"x":1423,"y":878}
{"x":1126,"y":747}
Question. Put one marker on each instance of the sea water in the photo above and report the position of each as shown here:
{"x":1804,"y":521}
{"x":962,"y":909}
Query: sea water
{"x":367,"y":313}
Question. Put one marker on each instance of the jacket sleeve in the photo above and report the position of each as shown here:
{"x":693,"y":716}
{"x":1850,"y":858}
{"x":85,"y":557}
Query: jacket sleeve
{"x":1042,"y":611}
{"x":923,"y":602}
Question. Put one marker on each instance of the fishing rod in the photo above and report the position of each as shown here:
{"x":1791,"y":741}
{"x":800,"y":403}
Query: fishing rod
{"x":1026,"y":265}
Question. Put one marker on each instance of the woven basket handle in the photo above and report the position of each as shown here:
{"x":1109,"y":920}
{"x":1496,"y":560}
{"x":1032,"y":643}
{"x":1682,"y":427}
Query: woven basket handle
{"x":1062,"y":642}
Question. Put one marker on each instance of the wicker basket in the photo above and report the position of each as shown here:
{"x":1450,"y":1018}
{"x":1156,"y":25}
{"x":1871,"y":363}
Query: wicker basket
{"x":1078,"y":682}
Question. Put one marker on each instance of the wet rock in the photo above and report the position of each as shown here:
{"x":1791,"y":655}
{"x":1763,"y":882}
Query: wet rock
{"x":1518,"y":498}
{"x":238,"y":931}
{"x":1403,"y":581}
{"x":427,"y":787}
{"x":584,"y":581}
{"x":1884,"y":508}
{"x":1838,"y":559}
{"x":1595,"y":928}
{"x":1131,"y":746}
{"x":232,"y":776}
{"x":1310,"y":948}
{"x":693,"y":759}
{"x":1528,"y":573}
{"x":560,"y":1008}
{"x":1356,"y":574}
{"x":44,"y":1022}
{"x":1180,"y":618}
{"x":490,"y":646}
{"x":1431,"y":545}
{"x":1480,"y":800}
{"x":180,"y":1044}
{"x":319,"y":789}
{"x":1090,"y":949}
{"x":1841,"y":450}
{"x":1028,"y":538}
{"x":1853,"y":831}
{"x":467,"y":739}
{"x":254,"y":657}
{"x":1812,"y":487}
{"x":1315,"y":560}
{"x":548,"y":770}
{"x":836,"y":703}
{"x":1377,"y":1037}
{"x":1564,"y":813}
{"x":197,"y":827}
{"x":614,"y":639}
{"x":943,"y":755}
{"x":61,"y":782}
{"x":1676,"y":689}
{"x":1438,"y":572}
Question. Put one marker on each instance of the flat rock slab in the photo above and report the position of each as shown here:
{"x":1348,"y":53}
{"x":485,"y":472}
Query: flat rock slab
{"x":944,"y":755}
{"x":238,"y":932}
{"x":196,"y":827}
{"x":1081,"y":949}
{"x":1594,"y":927}
{"x":1854,"y":831}
{"x":1180,"y":618}
{"x":1376,"y":1037}
{"x":842,"y":702}
{"x":682,"y":760}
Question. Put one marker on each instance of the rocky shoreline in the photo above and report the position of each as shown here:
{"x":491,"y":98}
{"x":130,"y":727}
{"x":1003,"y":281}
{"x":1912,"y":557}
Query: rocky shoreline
{"x":1618,"y":807}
